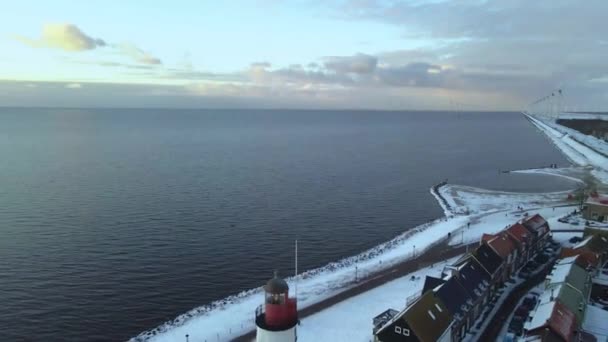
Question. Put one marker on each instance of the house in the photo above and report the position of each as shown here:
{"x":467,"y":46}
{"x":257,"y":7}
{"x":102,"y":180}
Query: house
{"x":426,"y":320}
{"x":504,"y":247}
{"x":380,"y":320}
{"x":568,"y":296}
{"x":491,"y":263}
{"x":552,"y":322}
{"x":539,"y":227}
{"x":476,"y":281}
{"x":594,"y":246}
{"x":571,"y":285}
{"x":562,"y":308}
{"x":458,"y":302}
{"x":451,"y":304}
{"x":464,"y":290}
{"x":523,"y":239}
{"x":586,"y":259}
{"x":596,"y":208}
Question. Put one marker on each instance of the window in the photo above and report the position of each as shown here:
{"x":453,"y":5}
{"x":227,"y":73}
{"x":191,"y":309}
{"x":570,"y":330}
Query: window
{"x":438,"y":307}
{"x":398,"y":330}
{"x":406,"y":332}
{"x":431,"y":314}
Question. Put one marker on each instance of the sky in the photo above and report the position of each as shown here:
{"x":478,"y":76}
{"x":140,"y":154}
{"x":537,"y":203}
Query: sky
{"x":331,"y":54}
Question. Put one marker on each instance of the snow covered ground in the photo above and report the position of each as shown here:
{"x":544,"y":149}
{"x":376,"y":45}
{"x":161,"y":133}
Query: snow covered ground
{"x":358,"y":311}
{"x":495,"y":222}
{"x":575,"y":174}
{"x":489,"y":211}
{"x":471,"y":200}
{"x":233,"y":316}
{"x":569,"y":142}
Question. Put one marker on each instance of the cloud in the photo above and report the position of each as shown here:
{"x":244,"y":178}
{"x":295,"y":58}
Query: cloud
{"x":138,"y":54}
{"x":66,"y":37}
{"x":357,"y":64}
{"x":69,"y":37}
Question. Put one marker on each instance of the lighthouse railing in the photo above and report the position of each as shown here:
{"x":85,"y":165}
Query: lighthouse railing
{"x":259,"y":311}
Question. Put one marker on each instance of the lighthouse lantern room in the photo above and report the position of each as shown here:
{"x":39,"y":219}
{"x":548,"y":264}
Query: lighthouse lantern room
{"x":276,"y":320}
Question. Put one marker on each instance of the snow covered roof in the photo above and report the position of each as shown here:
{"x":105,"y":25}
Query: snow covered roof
{"x":598,"y":200}
{"x":559,"y":273}
{"x":583,"y":243}
{"x":595,"y":321}
{"x":568,"y":296}
{"x":598,"y":244}
{"x":567,"y":260}
{"x":556,"y":316}
{"x":535,"y":223}
{"x":541,"y":315}
{"x":566,"y":271}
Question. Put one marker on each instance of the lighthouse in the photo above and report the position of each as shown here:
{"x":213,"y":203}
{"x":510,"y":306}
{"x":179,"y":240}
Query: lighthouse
{"x":276,"y":319}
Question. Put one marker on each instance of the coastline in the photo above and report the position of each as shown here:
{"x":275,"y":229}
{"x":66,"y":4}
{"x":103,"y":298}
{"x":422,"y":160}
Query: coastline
{"x":325,"y":286}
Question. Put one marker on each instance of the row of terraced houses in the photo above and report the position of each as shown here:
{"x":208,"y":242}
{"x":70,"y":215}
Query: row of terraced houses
{"x":573,"y":304}
{"x":451,"y":305}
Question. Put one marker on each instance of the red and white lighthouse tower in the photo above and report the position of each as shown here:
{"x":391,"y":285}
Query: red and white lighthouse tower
{"x":277,"y":318}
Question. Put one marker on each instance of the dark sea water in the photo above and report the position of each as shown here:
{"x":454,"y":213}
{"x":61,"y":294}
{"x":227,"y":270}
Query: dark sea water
{"x":113,"y":221}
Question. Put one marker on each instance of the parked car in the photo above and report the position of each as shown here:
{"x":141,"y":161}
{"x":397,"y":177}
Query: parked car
{"x":509,"y":337}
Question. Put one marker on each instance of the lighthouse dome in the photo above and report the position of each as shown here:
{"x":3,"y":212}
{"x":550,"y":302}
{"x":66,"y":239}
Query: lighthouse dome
{"x":276,"y":285}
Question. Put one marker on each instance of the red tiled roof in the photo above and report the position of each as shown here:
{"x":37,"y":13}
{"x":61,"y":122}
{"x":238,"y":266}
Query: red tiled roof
{"x":487,"y":237}
{"x":562,"y":321}
{"x":535,"y":221}
{"x":502,"y":245}
{"x":598,"y":199}
{"x":519,"y":232}
{"x":585,"y":258}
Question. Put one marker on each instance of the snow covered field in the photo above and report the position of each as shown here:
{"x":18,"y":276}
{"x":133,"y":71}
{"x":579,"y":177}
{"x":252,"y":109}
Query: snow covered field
{"x":358,"y":311}
{"x":576,"y":174}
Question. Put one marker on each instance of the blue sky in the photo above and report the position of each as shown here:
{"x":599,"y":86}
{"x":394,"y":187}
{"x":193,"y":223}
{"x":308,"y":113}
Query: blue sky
{"x":303,"y":54}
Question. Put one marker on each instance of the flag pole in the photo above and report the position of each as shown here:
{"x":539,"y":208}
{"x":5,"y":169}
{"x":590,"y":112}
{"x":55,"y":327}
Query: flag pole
{"x":296,"y":275}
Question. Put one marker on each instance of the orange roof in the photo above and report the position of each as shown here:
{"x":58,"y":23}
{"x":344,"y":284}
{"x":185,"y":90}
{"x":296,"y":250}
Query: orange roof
{"x":487,"y":237}
{"x":534,"y":222}
{"x":519,"y":233}
{"x":585,"y":258}
{"x":562,"y":321}
{"x":502,"y":245}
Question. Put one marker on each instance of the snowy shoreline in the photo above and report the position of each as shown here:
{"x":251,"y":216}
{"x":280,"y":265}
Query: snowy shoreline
{"x":580,"y":149}
{"x":487,"y":211}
